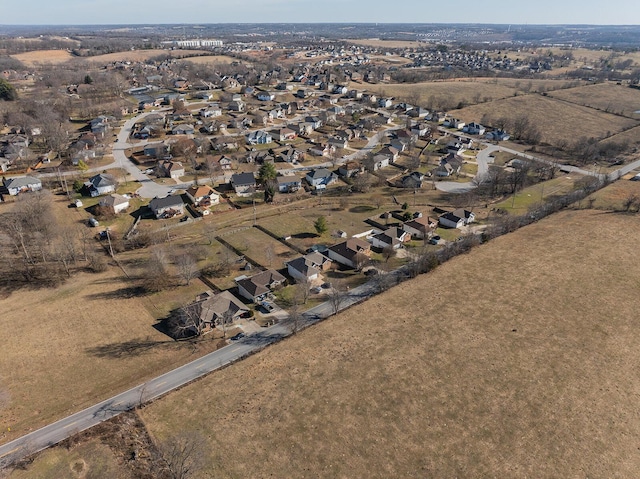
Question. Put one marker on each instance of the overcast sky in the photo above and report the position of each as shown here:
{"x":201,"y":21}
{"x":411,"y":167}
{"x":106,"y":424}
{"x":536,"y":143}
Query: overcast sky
{"x":56,"y":12}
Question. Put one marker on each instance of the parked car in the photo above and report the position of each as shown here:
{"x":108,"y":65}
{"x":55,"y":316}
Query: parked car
{"x":435,"y":239}
{"x":268,"y":307}
{"x":237,"y":337}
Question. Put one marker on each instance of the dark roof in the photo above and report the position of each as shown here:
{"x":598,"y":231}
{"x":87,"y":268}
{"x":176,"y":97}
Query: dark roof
{"x":319,"y":173}
{"x":303,"y":265}
{"x":349,"y":248}
{"x":102,"y":180}
{"x":241,"y":179}
{"x":166,"y":202}
{"x":259,"y":283}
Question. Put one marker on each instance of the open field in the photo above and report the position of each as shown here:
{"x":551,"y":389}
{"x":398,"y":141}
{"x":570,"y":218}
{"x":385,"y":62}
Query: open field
{"x":70,"y":347}
{"x":519,"y":203}
{"x":607,"y":97}
{"x":533,"y":374}
{"x":261,"y":247}
{"x":210,"y":59}
{"x":466,"y":91}
{"x":612,"y":197}
{"x":557,"y":120}
{"x":141,"y":55}
{"x":43,"y":56}
{"x":376,"y":42}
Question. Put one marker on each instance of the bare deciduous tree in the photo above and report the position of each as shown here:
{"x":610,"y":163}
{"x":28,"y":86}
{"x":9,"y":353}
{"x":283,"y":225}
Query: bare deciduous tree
{"x":187,"y":267}
{"x":183,"y":454}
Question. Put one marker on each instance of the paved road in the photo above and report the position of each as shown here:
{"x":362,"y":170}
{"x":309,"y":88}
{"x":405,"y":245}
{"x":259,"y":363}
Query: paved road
{"x":64,"y":428}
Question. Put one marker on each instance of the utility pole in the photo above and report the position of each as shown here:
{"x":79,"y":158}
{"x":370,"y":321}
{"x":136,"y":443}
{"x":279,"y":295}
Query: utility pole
{"x":110,"y":246}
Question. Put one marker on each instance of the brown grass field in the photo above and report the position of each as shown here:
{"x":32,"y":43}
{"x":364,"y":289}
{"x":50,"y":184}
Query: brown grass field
{"x":558,"y":120}
{"x":512,"y":361}
{"x":67,"y":348}
{"x":141,"y":55}
{"x":43,"y":56}
{"x":207,"y":59}
{"x":456,"y":91}
{"x":604,"y":96}
{"x":376,"y":42}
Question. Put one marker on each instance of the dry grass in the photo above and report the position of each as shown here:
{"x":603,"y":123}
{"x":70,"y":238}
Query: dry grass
{"x":376,"y":42}
{"x":604,"y":96}
{"x":261,"y":247}
{"x":210,"y":59}
{"x":557,"y":120}
{"x":70,"y":347}
{"x":461,"y":90}
{"x":512,"y":361}
{"x":43,"y":56}
{"x":89,"y":460}
{"x":140,"y":55}
{"x":612,"y":197}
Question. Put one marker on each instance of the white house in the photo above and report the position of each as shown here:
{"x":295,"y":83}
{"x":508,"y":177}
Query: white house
{"x":167,"y":207}
{"x":20,"y":184}
{"x":266,"y":96}
{"x":259,"y":137}
{"x":393,"y":237}
{"x":288,"y":184}
{"x":115,"y":202}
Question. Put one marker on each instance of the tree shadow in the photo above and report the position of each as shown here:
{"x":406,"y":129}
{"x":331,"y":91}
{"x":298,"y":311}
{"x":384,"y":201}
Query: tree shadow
{"x":304,"y":235}
{"x":120,"y":293}
{"x":132,"y":348}
{"x":361,"y":209}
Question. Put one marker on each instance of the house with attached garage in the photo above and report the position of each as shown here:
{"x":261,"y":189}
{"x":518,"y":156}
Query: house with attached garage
{"x":259,"y":137}
{"x":203,"y":195}
{"x":213,"y":310}
{"x":394,"y":237}
{"x":244,"y":184}
{"x":101,"y":184}
{"x":21,"y":184}
{"x":288,"y":183}
{"x":307,"y":268}
{"x":167,"y":207}
{"x":257,"y":287}
{"x":457,"y":218}
{"x":170,"y":169}
{"x":266,"y":96}
{"x":346,"y":252}
{"x":474,"y":128}
{"x":115,"y":203}
{"x":420,"y":227}
{"x":320,"y":178}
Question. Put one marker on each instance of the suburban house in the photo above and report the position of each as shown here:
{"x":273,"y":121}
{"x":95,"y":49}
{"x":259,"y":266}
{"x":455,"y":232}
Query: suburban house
{"x":266,"y":96}
{"x":290,"y":155}
{"x":221,"y":161}
{"x":338,"y":142}
{"x":257,"y":287}
{"x":211,"y":111}
{"x":115,"y":202}
{"x":449,"y":165}
{"x":393,"y":237}
{"x":420,"y":227}
{"x":322,"y":150}
{"x":236,"y":106}
{"x":391,"y":151}
{"x":167,"y":207}
{"x":315,"y":121}
{"x":474,"y":129}
{"x":224,"y":143}
{"x":378,"y":161}
{"x":288,"y":184}
{"x":413,"y":180}
{"x":454,"y":123}
{"x":158,"y":151}
{"x":215,"y":309}
{"x":498,"y":135}
{"x":320,"y":178}
{"x":307,"y":268}
{"x":244,"y":184}
{"x":203,"y":196}
{"x":183,"y":130}
{"x":457,"y":218}
{"x":347,"y":251}
{"x":170,"y":169}
{"x":284,"y":134}
{"x":259,"y":137}
{"x":20,"y":184}
{"x":350,"y":169}
{"x":101,"y":184}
